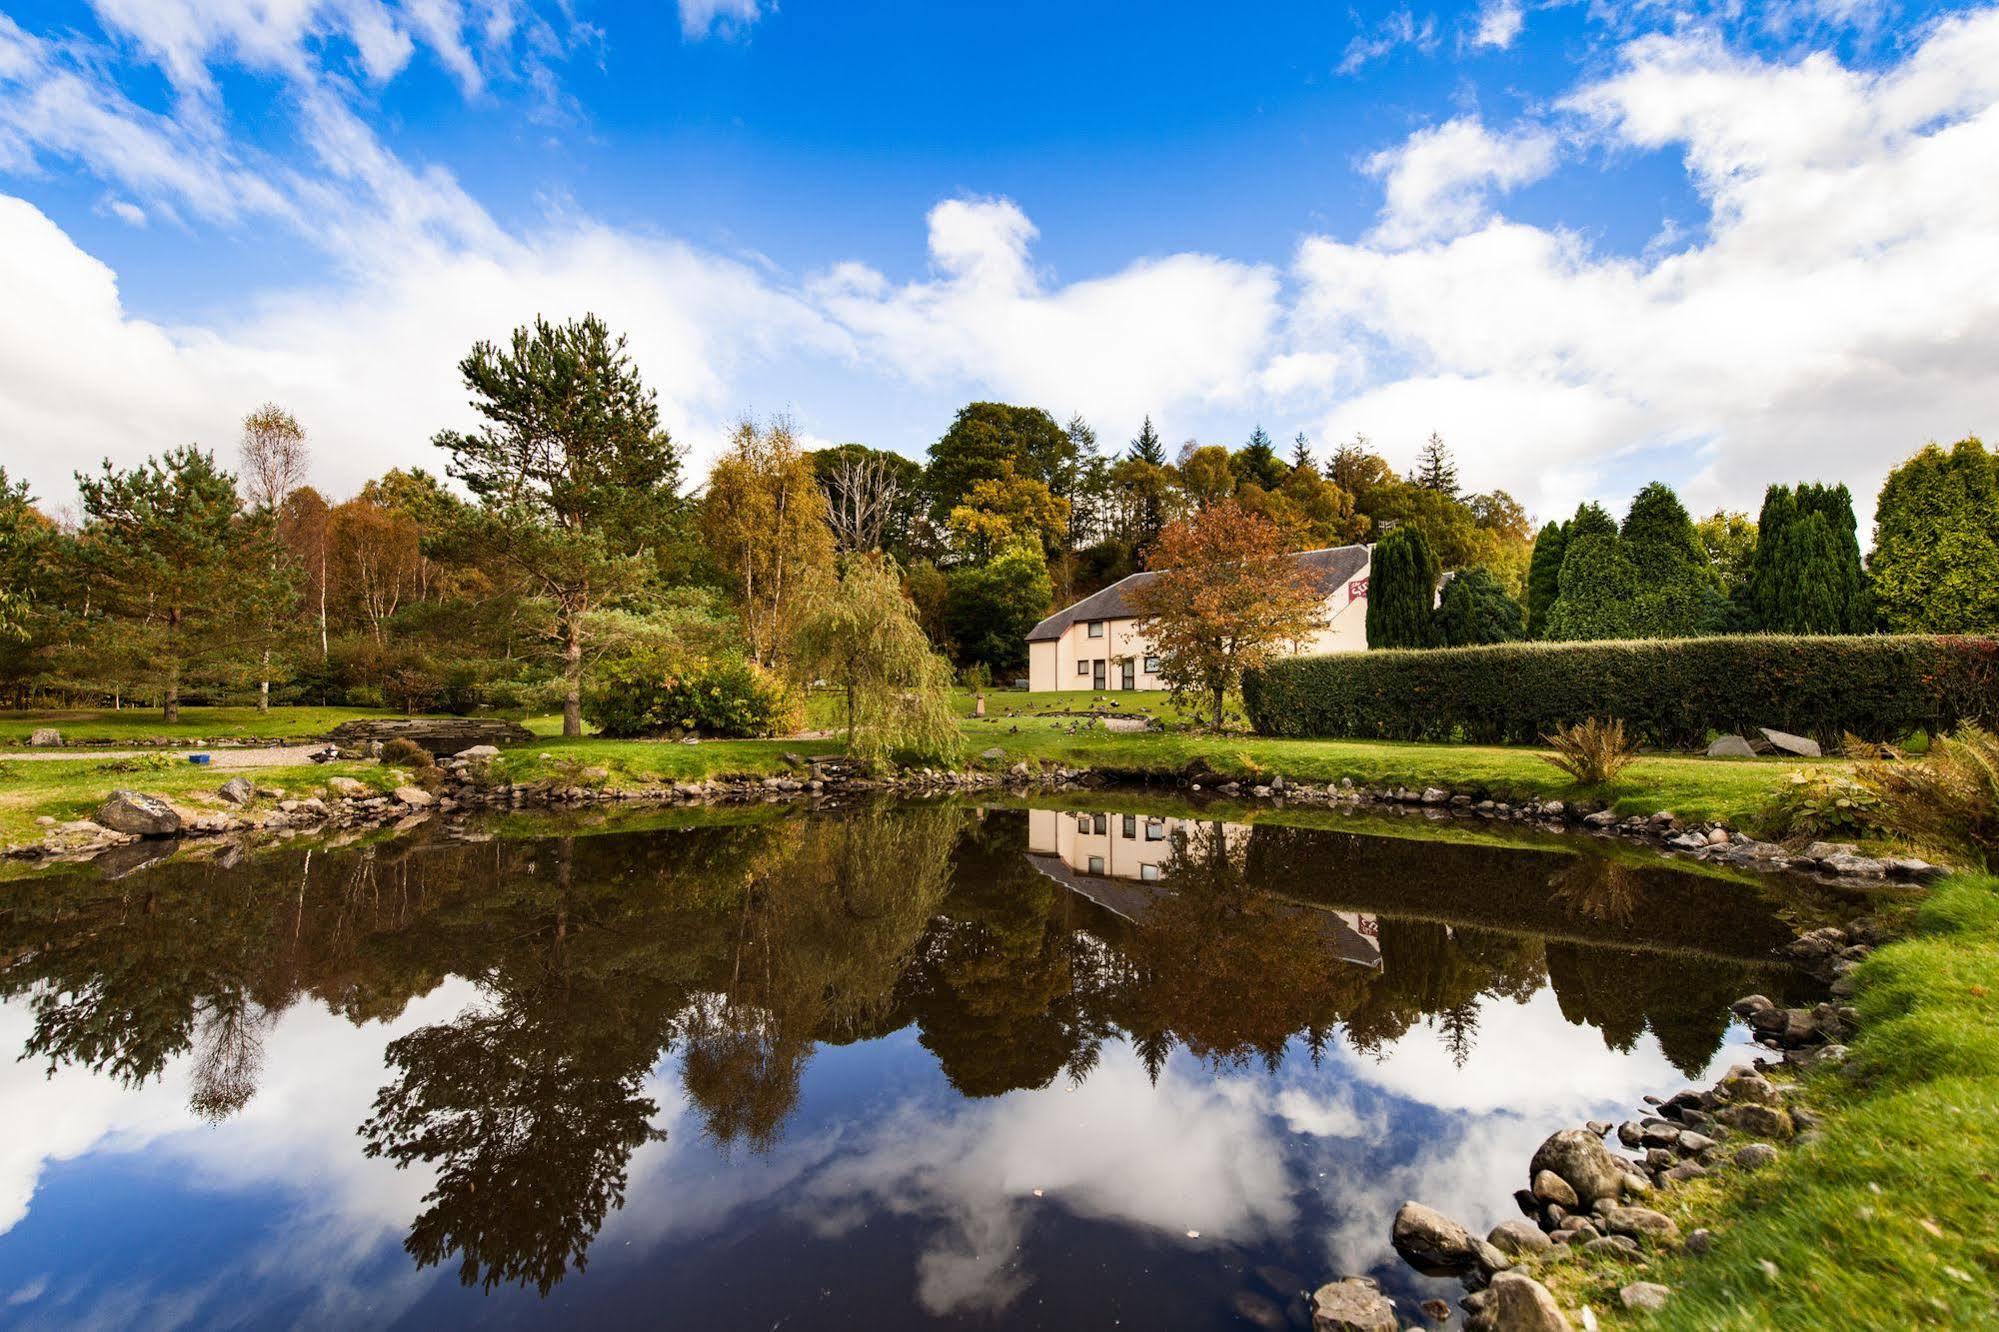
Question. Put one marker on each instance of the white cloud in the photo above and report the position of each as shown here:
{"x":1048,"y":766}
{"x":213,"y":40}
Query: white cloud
{"x":1183,"y":329}
{"x":1838,"y":305}
{"x":1842,"y":307}
{"x":1437,"y":182}
{"x":1499,"y":22}
{"x":722,"y":18}
{"x":1397,"y":28}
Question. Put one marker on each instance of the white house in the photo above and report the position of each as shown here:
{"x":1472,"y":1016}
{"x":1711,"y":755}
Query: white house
{"x":1096,"y":643}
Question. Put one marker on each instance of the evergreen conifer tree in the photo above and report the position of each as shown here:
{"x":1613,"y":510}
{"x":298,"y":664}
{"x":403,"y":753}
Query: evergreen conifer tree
{"x":1544,"y":576}
{"x":1935,"y":562}
{"x":1301,"y":451}
{"x":1147,"y":447}
{"x":1402,"y":591}
{"x":1435,"y":468}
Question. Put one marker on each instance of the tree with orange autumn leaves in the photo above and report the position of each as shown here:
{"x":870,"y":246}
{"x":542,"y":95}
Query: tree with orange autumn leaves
{"x":1227,"y":597}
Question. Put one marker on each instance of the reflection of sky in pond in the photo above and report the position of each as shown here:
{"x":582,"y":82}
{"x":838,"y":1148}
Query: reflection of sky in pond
{"x":887,"y":1199}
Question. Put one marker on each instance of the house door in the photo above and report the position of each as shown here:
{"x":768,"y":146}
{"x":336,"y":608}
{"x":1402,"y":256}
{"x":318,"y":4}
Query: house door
{"x":1097,"y":674}
{"x":1130,"y":675}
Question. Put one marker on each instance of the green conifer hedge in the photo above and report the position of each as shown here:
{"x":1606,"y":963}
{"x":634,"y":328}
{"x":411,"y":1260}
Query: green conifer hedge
{"x":1673,"y":693}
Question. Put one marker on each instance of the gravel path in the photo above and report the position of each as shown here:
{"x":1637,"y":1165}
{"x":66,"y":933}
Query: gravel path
{"x":285,"y":756}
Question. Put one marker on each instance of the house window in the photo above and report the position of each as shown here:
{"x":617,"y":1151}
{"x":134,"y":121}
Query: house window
{"x":1155,"y":830}
{"x":1096,"y":864}
{"x":1152,"y":665}
{"x":1149,"y":873}
{"x":1103,"y":822}
{"x":1096,"y":628}
{"x":1130,"y":826}
{"x":1082,"y":823}
{"x":1082,"y":668}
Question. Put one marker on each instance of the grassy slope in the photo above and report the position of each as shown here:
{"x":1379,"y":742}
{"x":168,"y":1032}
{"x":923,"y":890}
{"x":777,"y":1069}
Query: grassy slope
{"x":1890,"y":1219}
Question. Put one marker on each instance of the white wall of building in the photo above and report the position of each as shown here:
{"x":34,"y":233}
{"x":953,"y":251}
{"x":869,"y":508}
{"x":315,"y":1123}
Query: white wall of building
{"x":1069,"y":662}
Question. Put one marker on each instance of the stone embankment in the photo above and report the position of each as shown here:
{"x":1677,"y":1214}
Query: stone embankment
{"x":1587,"y":1203}
{"x":467,"y":783}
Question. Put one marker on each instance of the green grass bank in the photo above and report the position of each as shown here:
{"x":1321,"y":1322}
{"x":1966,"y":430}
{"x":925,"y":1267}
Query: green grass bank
{"x":1889,"y":1218}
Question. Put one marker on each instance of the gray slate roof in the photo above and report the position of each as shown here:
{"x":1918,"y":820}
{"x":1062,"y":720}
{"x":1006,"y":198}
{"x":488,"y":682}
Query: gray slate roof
{"x":1328,"y":568}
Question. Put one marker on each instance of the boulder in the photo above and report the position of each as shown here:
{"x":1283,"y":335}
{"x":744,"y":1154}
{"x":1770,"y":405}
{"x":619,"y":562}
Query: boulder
{"x":140,"y":815}
{"x":1516,"y":1302}
{"x":1431,"y":1242}
{"x":1581,"y":1160}
{"x":1648,"y":1296}
{"x":1641,"y":1223}
{"x":346,"y":786}
{"x":1755,"y":1156}
{"x":993,"y":755}
{"x":238,"y":791}
{"x":1730,"y":746}
{"x":1762,"y":1121}
{"x":1550,"y":1187}
{"x":1352,"y":1305}
{"x":1791,"y":744}
{"x":1518,"y":1238}
{"x":480,"y":753}
{"x":1618,"y":1246}
{"x":415,"y":797}
{"x":46,"y":737}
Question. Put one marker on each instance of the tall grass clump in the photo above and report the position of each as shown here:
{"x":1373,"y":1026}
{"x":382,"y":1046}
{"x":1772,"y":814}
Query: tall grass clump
{"x":1593,"y":751}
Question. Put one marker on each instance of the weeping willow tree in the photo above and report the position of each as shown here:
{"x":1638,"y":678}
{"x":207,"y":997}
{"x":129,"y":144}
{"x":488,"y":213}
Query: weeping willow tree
{"x":859,"y":632}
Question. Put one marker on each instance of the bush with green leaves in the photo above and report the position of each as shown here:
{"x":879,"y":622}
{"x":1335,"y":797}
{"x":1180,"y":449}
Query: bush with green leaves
{"x":662,"y":693}
{"x":1475,"y":609}
{"x":1672,"y":693}
{"x":1402,"y":591}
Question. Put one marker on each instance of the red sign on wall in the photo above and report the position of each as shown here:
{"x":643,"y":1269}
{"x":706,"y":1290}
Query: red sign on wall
{"x":1356,"y":590}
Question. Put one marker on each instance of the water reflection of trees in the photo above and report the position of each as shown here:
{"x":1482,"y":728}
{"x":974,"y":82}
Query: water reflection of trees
{"x":742,"y":948}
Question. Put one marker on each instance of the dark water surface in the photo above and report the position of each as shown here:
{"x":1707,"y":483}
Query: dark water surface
{"x":893,"y":1067}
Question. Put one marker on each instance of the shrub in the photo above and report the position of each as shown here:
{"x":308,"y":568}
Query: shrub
{"x":401,"y":753}
{"x":1669,"y":693}
{"x":1593,"y":751}
{"x":1947,"y":801}
{"x":657,"y":693}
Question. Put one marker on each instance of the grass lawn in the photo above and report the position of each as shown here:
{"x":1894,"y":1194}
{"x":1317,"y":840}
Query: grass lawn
{"x":1038,"y":728}
{"x":1891,"y":1218}
{"x":133,"y":724}
{"x":75,"y":790}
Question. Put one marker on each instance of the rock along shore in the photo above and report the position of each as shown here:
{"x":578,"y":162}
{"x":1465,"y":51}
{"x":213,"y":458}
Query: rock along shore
{"x":466,"y":782}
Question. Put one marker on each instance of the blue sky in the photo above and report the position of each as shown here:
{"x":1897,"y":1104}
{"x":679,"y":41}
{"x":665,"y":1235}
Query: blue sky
{"x":1591,"y":243}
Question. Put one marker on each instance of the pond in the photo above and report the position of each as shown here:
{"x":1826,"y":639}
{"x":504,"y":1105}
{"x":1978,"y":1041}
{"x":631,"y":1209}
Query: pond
{"x":894,"y":1066}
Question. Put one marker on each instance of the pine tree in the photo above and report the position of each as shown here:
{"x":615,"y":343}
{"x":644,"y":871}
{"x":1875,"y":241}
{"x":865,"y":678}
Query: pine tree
{"x":1402,"y":591}
{"x":1147,"y":447}
{"x":1257,"y":464}
{"x":1301,"y":452}
{"x":1544,"y":577}
{"x":1435,"y":468}
{"x":160,"y":545}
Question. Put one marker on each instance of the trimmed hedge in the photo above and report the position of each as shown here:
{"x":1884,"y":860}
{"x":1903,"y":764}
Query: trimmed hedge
{"x":1673,"y":692}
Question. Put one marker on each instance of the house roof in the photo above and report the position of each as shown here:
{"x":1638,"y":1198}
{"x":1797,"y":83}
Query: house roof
{"x":1328,"y":569}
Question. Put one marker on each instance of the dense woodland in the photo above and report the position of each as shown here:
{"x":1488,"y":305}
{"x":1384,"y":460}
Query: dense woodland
{"x":564,"y":542}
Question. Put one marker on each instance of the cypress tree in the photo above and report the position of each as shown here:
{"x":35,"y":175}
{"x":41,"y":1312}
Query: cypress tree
{"x":1808,"y":583}
{"x":1659,"y":534}
{"x":1590,"y":520}
{"x":1402,"y":591}
{"x":1544,"y":576}
{"x":1600,"y":591}
{"x":1476,"y":609}
{"x":1936,"y":542}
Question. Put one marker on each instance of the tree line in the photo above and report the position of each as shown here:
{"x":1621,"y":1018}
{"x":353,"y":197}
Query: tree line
{"x":573,"y":566}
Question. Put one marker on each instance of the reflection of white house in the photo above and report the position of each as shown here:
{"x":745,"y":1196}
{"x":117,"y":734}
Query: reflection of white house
{"x":1096,"y":643}
{"x":1109,"y":858}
